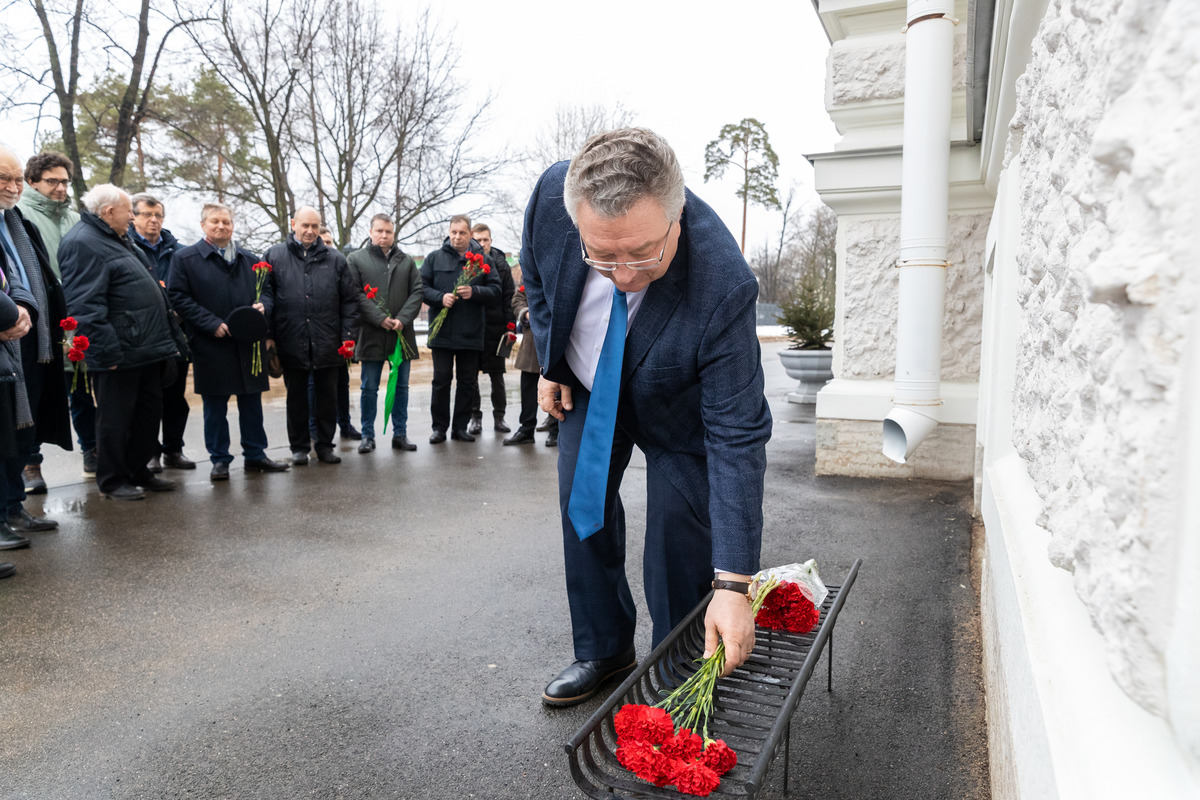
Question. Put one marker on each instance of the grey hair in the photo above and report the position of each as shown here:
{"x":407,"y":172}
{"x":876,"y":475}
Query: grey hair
{"x":103,"y":196}
{"x":616,"y":169}
{"x":148,"y":199}
{"x":211,"y":208}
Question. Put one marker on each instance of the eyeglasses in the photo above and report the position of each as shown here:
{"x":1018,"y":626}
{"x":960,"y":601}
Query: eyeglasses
{"x":151,"y":214}
{"x":637,"y":266}
{"x":54,"y":183}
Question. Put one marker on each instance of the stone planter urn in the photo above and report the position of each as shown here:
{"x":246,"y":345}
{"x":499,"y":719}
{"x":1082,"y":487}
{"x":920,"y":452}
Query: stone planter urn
{"x":812,"y":368}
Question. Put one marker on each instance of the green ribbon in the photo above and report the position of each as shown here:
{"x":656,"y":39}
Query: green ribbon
{"x":394,"y":362}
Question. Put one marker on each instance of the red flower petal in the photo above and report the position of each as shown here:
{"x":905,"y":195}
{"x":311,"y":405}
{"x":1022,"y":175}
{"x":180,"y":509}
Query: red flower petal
{"x":695,"y":778}
{"x":69,"y":324}
{"x":719,"y":757}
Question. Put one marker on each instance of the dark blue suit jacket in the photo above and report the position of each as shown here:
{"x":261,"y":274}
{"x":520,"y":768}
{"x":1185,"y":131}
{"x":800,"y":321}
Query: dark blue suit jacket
{"x":692,"y":386}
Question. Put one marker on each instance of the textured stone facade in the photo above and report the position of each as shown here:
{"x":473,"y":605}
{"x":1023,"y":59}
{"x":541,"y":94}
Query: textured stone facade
{"x":867,"y":334}
{"x":1106,"y":139}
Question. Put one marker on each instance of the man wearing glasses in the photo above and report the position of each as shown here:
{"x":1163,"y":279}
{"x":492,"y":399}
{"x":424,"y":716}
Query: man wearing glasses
{"x":643,"y":311}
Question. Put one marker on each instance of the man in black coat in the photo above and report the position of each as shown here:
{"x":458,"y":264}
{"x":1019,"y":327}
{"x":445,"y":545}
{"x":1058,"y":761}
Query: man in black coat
{"x":14,"y":324}
{"x":121,"y":308}
{"x":495,"y":327}
{"x":316,"y":310}
{"x":40,"y":394}
{"x":460,"y":340}
{"x":159,"y":245}
{"x":208,"y":281}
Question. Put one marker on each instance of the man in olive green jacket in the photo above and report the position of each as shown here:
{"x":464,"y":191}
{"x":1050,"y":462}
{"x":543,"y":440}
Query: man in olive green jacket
{"x":389,"y":303}
{"x":49,"y":209}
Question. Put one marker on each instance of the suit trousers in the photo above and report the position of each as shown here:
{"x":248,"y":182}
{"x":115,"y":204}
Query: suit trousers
{"x":529,"y":405}
{"x":324,"y":407}
{"x":250,"y":425}
{"x":128,"y":413}
{"x":463,"y":367}
{"x":499,"y":397}
{"x":175,"y":410}
{"x":677,"y":557}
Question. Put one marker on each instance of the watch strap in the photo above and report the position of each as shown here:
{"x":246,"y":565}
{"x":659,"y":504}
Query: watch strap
{"x":733,"y":586}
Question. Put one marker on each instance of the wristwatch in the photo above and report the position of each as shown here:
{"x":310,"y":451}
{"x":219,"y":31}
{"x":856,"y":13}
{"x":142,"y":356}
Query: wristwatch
{"x":732,"y":586}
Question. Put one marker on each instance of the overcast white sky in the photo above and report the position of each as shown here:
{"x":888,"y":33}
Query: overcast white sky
{"x":684,"y":69}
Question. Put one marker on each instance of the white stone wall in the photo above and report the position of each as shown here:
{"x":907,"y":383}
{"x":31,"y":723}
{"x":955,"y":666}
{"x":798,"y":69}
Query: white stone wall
{"x":869,"y":297}
{"x":1107,"y":134}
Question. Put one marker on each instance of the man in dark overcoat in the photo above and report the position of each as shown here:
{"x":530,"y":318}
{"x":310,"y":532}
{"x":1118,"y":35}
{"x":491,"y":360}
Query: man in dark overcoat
{"x":208,"y":281}
{"x":457,"y":346}
{"x":15,"y":323}
{"x":316,"y":310}
{"x":383,"y":266}
{"x":496,"y":320}
{"x":120,"y":306}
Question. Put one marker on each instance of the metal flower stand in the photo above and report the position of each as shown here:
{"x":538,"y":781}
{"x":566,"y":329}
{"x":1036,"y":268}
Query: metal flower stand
{"x":752,"y":707}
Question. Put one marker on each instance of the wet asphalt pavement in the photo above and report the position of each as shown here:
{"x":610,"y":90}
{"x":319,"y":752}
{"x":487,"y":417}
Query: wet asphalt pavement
{"x":384,"y":628}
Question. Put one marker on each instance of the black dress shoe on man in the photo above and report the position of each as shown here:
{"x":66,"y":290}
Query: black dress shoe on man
{"x":177,"y":461}
{"x":552,"y":439}
{"x":28,"y":523}
{"x":267,"y":465}
{"x":500,"y":426}
{"x":545,"y":426}
{"x":367,"y":445}
{"x":402,"y":443}
{"x":328,"y":457}
{"x":7,"y":570}
{"x":220,"y":472}
{"x":154,"y":465}
{"x":461,"y":436}
{"x":351,"y":432}
{"x":583,"y":679}
{"x":475,"y":425}
{"x":437,"y":437}
{"x":299,"y":458}
{"x":522,"y":436}
{"x":11,"y":540}
{"x":157,"y":484}
{"x":125,"y":492}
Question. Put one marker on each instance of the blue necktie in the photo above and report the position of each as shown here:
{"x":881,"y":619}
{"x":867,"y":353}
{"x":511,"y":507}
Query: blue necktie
{"x":586,"y":506}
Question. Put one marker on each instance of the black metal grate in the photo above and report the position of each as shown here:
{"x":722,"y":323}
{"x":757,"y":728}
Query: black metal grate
{"x":752,"y":708}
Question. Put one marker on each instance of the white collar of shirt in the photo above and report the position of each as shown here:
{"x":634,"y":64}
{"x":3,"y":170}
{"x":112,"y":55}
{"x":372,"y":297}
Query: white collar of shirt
{"x":591,"y":325}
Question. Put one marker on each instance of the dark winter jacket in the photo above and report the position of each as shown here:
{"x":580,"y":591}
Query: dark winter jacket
{"x":10,"y":354}
{"x":204,"y":289}
{"x":497,"y":318}
{"x":316,"y":304}
{"x":160,"y":255}
{"x":463,"y":326}
{"x":113,"y":295}
{"x":395,"y":275}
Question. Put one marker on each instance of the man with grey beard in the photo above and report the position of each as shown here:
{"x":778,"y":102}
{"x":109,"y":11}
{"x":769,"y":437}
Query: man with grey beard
{"x":40,"y":396}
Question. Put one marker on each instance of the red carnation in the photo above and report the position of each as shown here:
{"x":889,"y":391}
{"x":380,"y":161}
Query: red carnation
{"x":371,"y":291}
{"x":487,"y":268}
{"x":636,"y":755}
{"x":69,"y":324}
{"x":695,"y":778}
{"x":75,"y":355}
{"x":521,"y":288}
{"x":643,"y":723}
{"x":512,"y":337}
{"x":719,"y":757}
{"x":261,"y":266}
{"x":684,"y":745}
{"x":80,"y":343}
{"x":512,"y":326}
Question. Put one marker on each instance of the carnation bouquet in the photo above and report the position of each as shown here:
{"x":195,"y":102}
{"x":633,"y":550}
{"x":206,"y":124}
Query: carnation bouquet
{"x":262,"y":271}
{"x":474,"y":267}
{"x":400,"y":352}
{"x":669,"y":743}
{"x":76,"y":352}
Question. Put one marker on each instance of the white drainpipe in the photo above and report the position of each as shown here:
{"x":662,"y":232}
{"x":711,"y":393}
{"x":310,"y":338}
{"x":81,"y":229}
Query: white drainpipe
{"x":924,"y":201}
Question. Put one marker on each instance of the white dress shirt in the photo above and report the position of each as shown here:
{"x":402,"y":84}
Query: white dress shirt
{"x":591,"y":325}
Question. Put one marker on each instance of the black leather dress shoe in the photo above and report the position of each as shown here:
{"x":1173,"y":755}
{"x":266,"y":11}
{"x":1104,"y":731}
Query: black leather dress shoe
{"x":552,"y":439}
{"x":154,"y":465}
{"x":11,"y":540}
{"x":522,"y":436}
{"x":28,"y":523}
{"x":299,"y":457}
{"x":328,"y":457}
{"x":267,"y":465}
{"x":177,"y":461}
{"x":367,"y":445}
{"x":220,"y":472}
{"x":7,"y":570}
{"x":501,"y":426}
{"x":474,"y":426}
{"x":157,"y":484}
{"x":351,"y":432}
{"x":583,"y":679}
{"x":402,"y":443}
{"x":125,"y":492}
{"x":545,"y":426}
{"x":437,"y":437}
{"x":461,"y":436}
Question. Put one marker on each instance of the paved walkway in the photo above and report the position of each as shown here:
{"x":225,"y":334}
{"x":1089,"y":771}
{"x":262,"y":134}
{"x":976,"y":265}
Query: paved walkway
{"x":384,"y":627}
